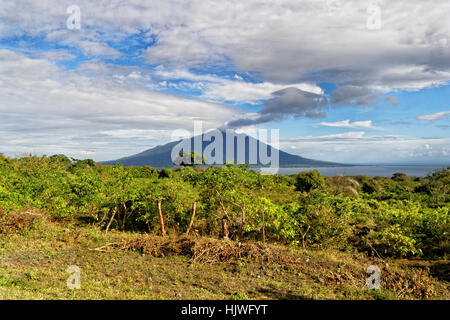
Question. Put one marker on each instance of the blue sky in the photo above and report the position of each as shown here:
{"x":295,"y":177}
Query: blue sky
{"x":338,"y":86}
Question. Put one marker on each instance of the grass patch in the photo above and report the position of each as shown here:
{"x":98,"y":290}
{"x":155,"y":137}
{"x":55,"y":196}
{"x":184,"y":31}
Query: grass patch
{"x":135,"y":266}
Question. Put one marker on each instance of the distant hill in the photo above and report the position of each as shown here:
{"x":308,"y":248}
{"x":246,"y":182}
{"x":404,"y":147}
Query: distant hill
{"x":160,"y":156}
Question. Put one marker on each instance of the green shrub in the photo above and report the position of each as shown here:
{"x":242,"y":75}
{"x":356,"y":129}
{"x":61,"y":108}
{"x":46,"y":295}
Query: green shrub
{"x":309,"y":180}
{"x":400,"y":216}
{"x":395,"y":240}
{"x":400,"y":177}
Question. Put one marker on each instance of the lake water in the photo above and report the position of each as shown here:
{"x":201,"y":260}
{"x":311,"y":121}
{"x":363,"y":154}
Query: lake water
{"x":371,"y":171}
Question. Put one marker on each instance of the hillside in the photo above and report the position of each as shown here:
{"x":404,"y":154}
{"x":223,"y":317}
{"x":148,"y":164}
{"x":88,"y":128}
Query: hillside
{"x":160,"y":156}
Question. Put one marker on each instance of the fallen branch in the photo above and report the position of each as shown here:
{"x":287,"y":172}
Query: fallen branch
{"x":107,"y":246}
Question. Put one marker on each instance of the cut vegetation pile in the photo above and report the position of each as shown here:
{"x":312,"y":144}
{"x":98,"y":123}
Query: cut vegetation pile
{"x":207,"y":250}
{"x":17,"y":222}
{"x":405,"y":282}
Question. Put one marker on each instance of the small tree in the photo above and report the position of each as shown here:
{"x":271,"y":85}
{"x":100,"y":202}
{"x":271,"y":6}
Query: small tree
{"x":60,"y":159}
{"x":190,"y":158}
{"x":226,"y":191}
{"x":177,"y":195}
{"x":309,"y":180}
{"x":398,"y":176}
{"x":119,"y":190}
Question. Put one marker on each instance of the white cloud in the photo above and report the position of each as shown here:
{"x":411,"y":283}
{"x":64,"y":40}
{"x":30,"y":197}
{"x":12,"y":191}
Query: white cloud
{"x":286,"y":41}
{"x":434,"y":116}
{"x":44,"y":106}
{"x":357,"y":147}
{"x":96,"y":49}
{"x":248,"y":92}
{"x":222,"y":89}
{"x":347,"y":124}
{"x":334,"y":137}
{"x":180,"y":47}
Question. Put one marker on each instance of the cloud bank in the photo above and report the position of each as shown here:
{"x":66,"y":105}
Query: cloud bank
{"x":138,"y":69}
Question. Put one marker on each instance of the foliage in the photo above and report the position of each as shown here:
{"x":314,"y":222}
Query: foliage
{"x":190,"y":158}
{"x":307,"y":181}
{"x":399,"y":216}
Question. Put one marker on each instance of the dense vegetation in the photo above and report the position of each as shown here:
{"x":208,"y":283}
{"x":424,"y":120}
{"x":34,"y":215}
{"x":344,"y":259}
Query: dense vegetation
{"x":398,"y":216}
